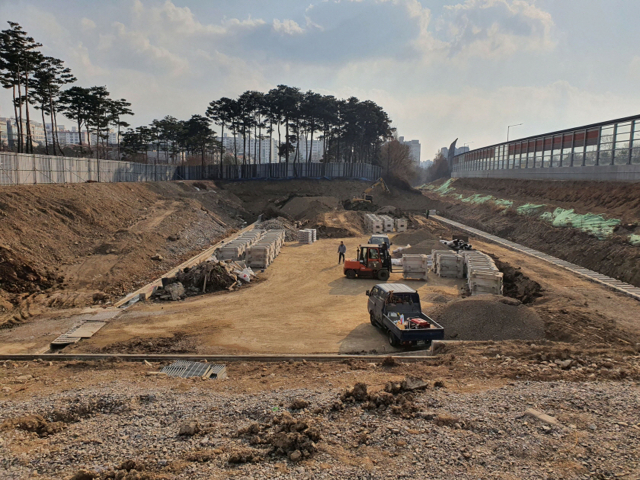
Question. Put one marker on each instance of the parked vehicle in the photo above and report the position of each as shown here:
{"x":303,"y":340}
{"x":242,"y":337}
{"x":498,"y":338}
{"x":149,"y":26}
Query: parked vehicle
{"x":395,"y":309}
{"x":380,"y":239}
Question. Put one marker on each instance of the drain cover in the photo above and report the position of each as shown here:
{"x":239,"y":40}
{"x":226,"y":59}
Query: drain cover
{"x":187,"y":369}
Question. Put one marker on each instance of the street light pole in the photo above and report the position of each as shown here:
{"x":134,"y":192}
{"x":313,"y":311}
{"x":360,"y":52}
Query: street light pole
{"x":515,"y":125}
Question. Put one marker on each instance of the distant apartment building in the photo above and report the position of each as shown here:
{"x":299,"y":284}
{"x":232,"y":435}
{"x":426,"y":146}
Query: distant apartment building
{"x":9,"y":131}
{"x":414,"y":148}
{"x":73,"y":137}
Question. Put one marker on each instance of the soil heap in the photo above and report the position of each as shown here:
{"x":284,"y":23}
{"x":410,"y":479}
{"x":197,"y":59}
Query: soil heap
{"x":489,"y":317}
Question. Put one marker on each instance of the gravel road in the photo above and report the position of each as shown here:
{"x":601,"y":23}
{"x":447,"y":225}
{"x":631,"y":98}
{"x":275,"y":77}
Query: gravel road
{"x":464,"y":433}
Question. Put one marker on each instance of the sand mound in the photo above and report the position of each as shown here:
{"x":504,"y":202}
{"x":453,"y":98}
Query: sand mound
{"x":305,"y":207}
{"x":486,"y":317}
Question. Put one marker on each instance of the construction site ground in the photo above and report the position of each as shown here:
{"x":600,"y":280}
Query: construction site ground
{"x":111,"y":419}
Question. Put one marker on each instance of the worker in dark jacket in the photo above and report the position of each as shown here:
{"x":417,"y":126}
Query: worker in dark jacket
{"x":342,"y":249}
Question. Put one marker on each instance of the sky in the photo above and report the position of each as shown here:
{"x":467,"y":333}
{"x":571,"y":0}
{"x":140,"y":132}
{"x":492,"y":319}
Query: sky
{"x":442,"y":70}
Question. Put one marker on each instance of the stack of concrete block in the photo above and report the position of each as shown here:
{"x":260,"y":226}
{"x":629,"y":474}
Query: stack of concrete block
{"x":401,"y":224}
{"x":482,"y":274}
{"x":305,"y":236}
{"x":448,"y":264}
{"x":236,"y":248}
{"x":264,"y":251}
{"x":387,"y":223}
{"x":415,"y":266}
{"x":373,"y":223}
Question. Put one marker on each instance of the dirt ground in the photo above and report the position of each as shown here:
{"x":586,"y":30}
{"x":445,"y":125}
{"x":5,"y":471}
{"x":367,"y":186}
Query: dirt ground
{"x":303,"y":304}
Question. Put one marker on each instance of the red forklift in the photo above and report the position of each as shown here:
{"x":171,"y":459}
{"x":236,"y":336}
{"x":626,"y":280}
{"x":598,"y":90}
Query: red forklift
{"x":374,"y":261}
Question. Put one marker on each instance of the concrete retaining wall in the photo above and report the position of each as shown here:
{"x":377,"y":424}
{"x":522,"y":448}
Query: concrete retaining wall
{"x":26,"y":169}
{"x":615,"y":173}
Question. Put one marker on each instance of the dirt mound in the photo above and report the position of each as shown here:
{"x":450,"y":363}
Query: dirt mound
{"x":300,"y":208}
{"x":34,"y":423}
{"x":396,"y":396}
{"x":515,"y":284}
{"x":422,"y":242}
{"x":488,"y":317}
{"x":17,"y":276}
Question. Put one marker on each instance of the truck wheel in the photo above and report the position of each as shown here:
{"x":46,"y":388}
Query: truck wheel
{"x":350,"y":274}
{"x":372,"y":319}
{"x":383,"y":275}
{"x":392,"y":340}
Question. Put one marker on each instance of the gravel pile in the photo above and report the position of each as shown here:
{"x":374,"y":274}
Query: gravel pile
{"x":164,"y":433}
{"x":281,"y":223}
{"x":489,"y":317}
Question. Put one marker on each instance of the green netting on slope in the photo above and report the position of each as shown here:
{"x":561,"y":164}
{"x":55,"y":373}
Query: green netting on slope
{"x":443,"y":189}
{"x":529,"y":209}
{"x":594,"y":224}
{"x":634,"y":240}
{"x":503,"y":203}
{"x":477,"y":198}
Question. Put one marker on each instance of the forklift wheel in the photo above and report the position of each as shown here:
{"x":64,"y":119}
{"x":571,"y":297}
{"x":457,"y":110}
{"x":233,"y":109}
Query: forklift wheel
{"x":350,"y":274}
{"x":383,"y":275}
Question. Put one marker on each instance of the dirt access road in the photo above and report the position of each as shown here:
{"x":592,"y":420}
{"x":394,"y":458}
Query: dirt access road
{"x":302,"y":304}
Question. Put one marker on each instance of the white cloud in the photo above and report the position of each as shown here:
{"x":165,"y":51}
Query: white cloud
{"x":288,"y":27}
{"x":87,"y":24}
{"x":494,"y":29}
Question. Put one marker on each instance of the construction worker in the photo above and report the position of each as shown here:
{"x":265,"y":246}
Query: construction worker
{"x":342,"y":249}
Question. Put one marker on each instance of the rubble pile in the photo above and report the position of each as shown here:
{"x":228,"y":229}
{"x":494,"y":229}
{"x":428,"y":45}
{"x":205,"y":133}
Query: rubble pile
{"x":292,"y":437}
{"x":398,"y":397}
{"x":206,"y":277}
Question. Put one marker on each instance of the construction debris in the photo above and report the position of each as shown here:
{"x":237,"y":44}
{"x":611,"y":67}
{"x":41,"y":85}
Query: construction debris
{"x":206,"y":277}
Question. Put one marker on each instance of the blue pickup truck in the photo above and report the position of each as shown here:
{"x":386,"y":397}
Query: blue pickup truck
{"x":395,"y":309}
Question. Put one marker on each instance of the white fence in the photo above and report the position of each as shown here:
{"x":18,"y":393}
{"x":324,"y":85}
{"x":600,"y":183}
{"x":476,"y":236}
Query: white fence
{"x":26,"y":169}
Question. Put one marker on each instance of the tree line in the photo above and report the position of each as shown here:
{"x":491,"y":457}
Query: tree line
{"x":351,"y":130}
{"x":37,"y":81}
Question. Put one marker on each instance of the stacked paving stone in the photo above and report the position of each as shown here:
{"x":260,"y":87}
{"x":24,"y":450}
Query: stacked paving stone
{"x":373,"y":223}
{"x":482,"y":274}
{"x":384,"y":223}
{"x":415,"y":266}
{"x":387,"y":223}
{"x":264,"y":251}
{"x":236,"y":248}
{"x":448,"y":264}
{"x":307,"y":236}
{"x":401,"y":224}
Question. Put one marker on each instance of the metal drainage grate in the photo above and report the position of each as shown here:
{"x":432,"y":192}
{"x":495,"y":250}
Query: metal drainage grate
{"x":187,"y":369}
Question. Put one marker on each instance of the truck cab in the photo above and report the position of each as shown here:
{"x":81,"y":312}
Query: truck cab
{"x":395,"y":309}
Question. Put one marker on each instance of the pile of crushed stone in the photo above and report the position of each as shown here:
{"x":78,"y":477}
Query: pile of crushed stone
{"x":281,"y":223}
{"x":489,"y":317}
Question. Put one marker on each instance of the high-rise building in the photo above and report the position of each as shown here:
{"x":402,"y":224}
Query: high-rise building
{"x":414,"y":148}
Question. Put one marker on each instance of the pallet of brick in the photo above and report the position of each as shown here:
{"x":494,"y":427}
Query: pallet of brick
{"x":401,"y":224}
{"x":305,"y":237}
{"x":415,"y":266}
{"x":387,"y":223}
{"x":448,"y":264}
